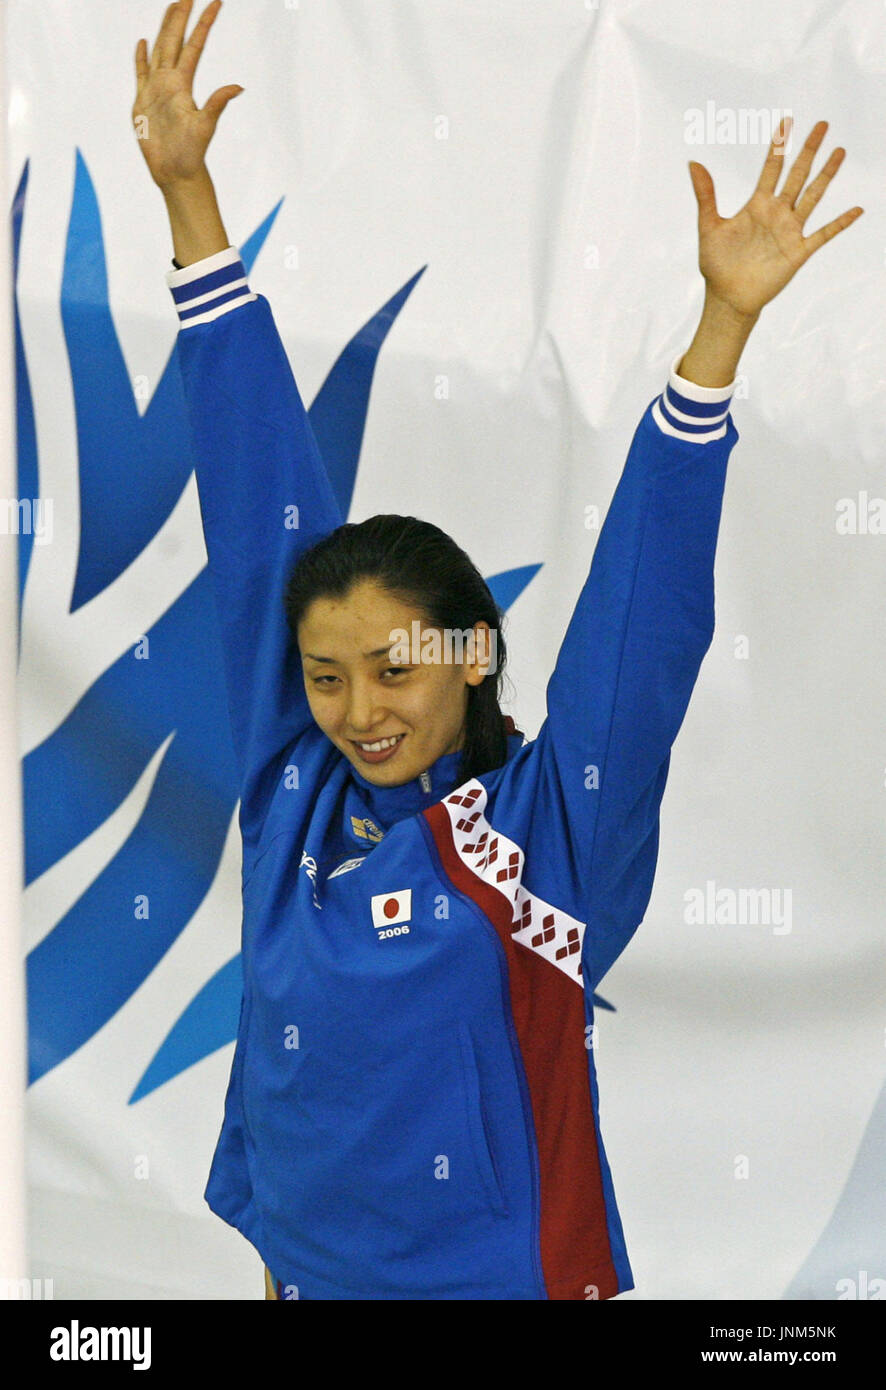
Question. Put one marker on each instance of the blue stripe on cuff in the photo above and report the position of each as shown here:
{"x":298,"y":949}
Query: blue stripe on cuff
{"x":682,"y":426}
{"x":701,"y":409}
{"x":216,"y":279}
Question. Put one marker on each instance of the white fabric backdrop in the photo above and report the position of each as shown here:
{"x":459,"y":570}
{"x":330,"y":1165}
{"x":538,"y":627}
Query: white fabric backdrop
{"x":534,"y":157}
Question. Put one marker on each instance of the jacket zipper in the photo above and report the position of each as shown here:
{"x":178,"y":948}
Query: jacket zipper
{"x":512,"y":1038}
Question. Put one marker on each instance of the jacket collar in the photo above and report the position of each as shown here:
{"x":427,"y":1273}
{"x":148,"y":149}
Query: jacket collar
{"x":387,"y":805}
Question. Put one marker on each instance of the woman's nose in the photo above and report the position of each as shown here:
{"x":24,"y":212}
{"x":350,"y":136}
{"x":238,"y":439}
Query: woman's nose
{"x":363,"y":710}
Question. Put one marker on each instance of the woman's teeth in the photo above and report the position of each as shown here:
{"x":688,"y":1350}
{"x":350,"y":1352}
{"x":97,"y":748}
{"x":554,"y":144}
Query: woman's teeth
{"x":377,"y":747}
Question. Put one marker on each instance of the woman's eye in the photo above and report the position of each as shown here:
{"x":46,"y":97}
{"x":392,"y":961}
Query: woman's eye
{"x":388,"y":671}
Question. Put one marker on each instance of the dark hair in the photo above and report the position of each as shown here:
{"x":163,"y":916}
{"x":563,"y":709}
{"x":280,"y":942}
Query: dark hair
{"x":422,"y":566}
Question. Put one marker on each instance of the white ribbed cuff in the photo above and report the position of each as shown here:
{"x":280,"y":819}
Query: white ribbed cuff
{"x":692,"y":412}
{"x":209,"y":288}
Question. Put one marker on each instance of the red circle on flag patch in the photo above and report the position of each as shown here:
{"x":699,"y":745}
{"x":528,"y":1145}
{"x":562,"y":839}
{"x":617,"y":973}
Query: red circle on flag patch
{"x":391,"y":907}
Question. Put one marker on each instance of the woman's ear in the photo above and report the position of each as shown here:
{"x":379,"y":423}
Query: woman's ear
{"x":480,"y":657}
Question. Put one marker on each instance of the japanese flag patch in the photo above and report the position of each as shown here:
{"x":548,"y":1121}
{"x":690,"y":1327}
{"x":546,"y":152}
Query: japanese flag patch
{"x":390,"y":908}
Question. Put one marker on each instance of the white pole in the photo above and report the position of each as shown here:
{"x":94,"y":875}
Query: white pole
{"x":13,"y":1075}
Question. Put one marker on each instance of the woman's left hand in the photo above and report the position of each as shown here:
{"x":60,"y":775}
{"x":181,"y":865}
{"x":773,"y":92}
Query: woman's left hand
{"x":747,"y":259}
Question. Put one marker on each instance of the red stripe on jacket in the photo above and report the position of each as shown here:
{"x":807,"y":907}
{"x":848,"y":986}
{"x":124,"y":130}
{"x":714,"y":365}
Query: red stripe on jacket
{"x":548,"y":1012}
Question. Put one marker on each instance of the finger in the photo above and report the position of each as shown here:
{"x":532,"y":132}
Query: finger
{"x":191,"y":51}
{"x":818,"y":185}
{"x":802,"y":164}
{"x":141,"y":61}
{"x":216,"y":104}
{"x":157,"y":50}
{"x":839,"y":224}
{"x":169,"y":40}
{"x":703,"y":187}
{"x":774,"y":162}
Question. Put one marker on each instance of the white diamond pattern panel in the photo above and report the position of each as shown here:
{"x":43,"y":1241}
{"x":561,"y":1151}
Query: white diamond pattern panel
{"x":496,"y":860}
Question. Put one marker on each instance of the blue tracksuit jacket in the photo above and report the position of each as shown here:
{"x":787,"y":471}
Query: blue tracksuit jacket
{"x":412,"y":1110}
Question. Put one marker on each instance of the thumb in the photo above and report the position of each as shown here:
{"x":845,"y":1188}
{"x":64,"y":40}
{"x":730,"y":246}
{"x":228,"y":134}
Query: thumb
{"x":703,"y":187}
{"x":216,"y":104}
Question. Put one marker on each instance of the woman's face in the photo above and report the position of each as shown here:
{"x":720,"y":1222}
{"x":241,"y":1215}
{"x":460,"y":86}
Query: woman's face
{"x":359,"y":694}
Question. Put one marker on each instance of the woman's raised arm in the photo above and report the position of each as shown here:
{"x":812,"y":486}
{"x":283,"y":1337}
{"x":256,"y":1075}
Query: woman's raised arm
{"x":265,"y":495}
{"x":594,"y":778}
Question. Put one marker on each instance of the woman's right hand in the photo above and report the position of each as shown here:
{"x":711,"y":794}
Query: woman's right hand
{"x":172,"y":132}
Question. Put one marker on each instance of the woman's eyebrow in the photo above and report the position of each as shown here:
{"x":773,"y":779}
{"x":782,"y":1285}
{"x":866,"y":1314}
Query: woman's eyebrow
{"x":379,"y":651}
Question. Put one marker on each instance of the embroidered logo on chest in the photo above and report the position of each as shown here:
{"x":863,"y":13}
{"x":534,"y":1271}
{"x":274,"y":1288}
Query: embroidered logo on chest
{"x":347,"y":865}
{"x":366,"y":829}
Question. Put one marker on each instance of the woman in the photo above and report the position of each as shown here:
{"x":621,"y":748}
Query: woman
{"x":428,"y":900}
